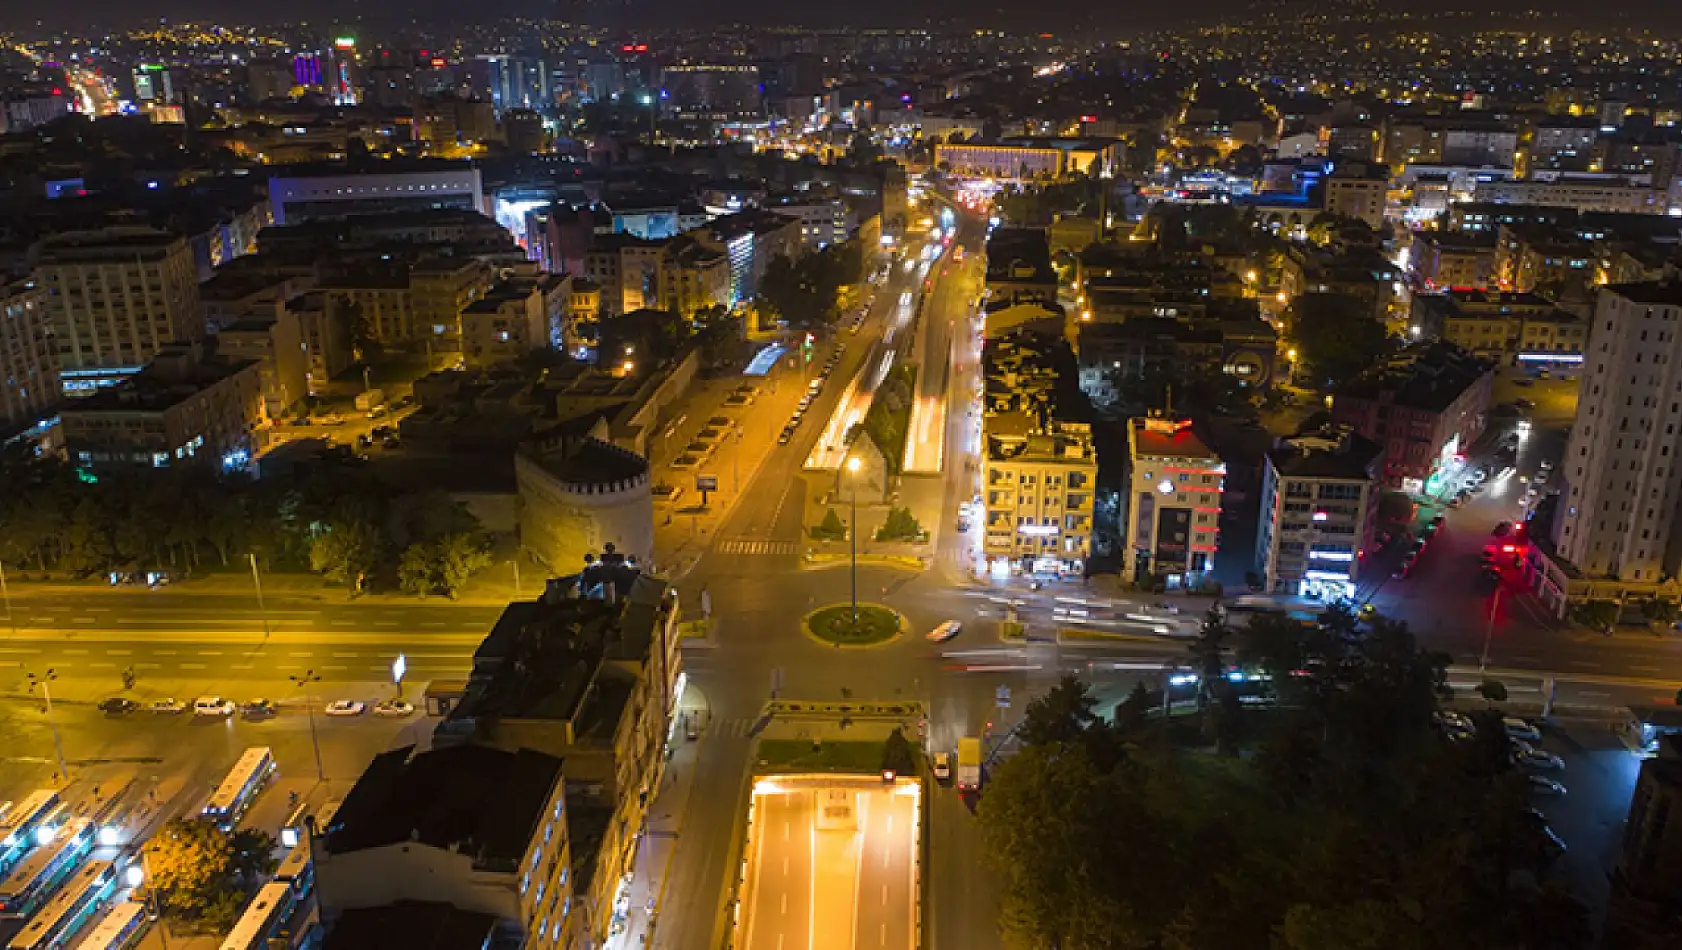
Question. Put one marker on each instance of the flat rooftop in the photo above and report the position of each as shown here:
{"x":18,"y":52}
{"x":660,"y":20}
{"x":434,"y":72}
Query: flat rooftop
{"x":1174,"y":439}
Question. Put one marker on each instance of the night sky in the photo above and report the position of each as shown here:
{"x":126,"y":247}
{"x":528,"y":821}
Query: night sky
{"x":1046,"y":15}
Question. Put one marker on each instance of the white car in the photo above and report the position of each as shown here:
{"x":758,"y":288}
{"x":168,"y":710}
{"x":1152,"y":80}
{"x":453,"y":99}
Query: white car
{"x":213,"y":706}
{"x":945,"y":631}
{"x":394,"y":708}
{"x":346,"y":707}
{"x":1526,"y":754}
{"x":943,"y":766}
{"x":168,"y":704}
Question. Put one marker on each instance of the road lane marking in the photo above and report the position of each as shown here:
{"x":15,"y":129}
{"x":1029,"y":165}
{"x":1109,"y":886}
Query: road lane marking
{"x":288,"y":666}
{"x":82,"y":620}
{"x":118,"y":652}
{"x":300,"y":654}
{"x":385,"y":623}
{"x":75,"y":652}
{"x":335,"y":667}
{"x":165,"y":652}
{"x":19,"y":650}
{"x":194,"y":666}
{"x":344,"y":623}
{"x":210,"y":653}
{"x":242,"y":666}
{"x":1586,"y":664}
{"x":783,"y":907}
{"x":109,"y":665}
{"x":432,"y":623}
{"x":1646,"y":669}
{"x":884,"y":894}
{"x":1589,"y":692}
{"x":347,"y":656}
{"x":147,"y":666}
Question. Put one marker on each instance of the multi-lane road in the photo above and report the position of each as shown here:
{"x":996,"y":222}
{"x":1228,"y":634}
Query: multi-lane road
{"x":831,"y":866}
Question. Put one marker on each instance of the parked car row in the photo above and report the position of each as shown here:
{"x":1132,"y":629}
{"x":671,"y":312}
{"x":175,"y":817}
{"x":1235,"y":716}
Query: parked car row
{"x":222,"y":707}
{"x":813,"y":390}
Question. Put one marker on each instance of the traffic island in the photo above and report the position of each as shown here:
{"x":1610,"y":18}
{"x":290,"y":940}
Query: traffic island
{"x":834,"y":625}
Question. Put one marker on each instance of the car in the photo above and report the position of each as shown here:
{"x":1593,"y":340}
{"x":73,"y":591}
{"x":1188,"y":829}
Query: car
{"x":945,"y":631}
{"x":1491,"y":572}
{"x":1528,"y":755}
{"x":1546,"y":465}
{"x":1524,"y":404}
{"x":1520,"y":729}
{"x":1402,"y":570}
{"x":686,"y":461}
{"x":1542,"y":785}
{"x":1525,"y":381}
{"x":391,"y":442}
{"x":720,"y":422}
{"x":1502,"y":529}
{"x":346,"y":707}
{"x":1449,"y":717}
{"x":737,"y":401}
{"x":118,"y":706}
{"x":260,"y":709}
{"x":943,"y":766}
{"x":168,"y":704}
{"x":394,"y":708}
{"x":213,"y":706}
{"x":786,"y":437}
{"x":709,"y":436}
{"x":381,"y":432}
{"x":703,"y":449}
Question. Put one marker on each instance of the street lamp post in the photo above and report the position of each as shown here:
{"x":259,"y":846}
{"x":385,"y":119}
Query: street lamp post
{"x":6,"y":595}
{"x":257,"y":579}
{"x":853,"y":464}
{"x":154,"y":901}
{"x":44,"y":681}
{"x":1489,"y":631}
{"x":303,"y":681}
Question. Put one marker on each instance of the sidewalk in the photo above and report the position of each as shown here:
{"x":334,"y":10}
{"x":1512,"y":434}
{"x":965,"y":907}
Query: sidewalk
{"x":651,"y":870}
{"x":494,"y":585}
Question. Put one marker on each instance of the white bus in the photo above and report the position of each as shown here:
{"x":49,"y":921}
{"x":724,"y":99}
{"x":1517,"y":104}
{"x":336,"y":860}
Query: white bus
{"x":240,"y":788}
{"x":120,"y":929}
{"x":22,"y":822}
{"x":31,"y":883}
{"x":265,"y":919}
{"x":83,"y":897}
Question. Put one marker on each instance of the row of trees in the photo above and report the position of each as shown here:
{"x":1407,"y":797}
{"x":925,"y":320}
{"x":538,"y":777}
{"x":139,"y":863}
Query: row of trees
{"x":339,"y":523}
{"x":1334,"y":816}
{"x":899,"y":525}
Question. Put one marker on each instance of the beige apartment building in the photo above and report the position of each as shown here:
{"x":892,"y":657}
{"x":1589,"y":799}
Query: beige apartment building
{"x":1038,"y":486}
{"x":115,"y":298}
{"x":29,"y":386}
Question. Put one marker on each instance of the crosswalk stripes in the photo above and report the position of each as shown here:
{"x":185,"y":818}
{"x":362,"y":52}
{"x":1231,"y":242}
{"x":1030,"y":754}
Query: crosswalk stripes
{"x":756,"y":546}
{"x":732,"y":728}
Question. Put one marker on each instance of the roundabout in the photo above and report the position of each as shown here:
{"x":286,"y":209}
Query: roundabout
{"x":834,"y":625}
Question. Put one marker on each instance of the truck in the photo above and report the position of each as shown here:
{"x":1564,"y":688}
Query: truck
{"x":969,"y":763}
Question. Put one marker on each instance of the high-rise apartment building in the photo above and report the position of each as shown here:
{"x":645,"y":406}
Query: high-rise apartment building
{"x":1623,"y":463}
{"x":28,"y":363}
{"x":1039,"y":485}
{"x":115,"y":298}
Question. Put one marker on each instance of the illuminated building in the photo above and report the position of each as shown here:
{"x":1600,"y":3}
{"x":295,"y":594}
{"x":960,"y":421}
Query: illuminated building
{"x":1620,"y":517}
{"x":1028,"y":159}
{"x":1319,"y":503}
{"x":182,"y":408}
{"x":29,"y":386}
{"x":1038,"y":484}
{"x":1425,"y":405}
{"x":115,"y":297}
{"x":1175,"y":483}
{"x":337,"y":194}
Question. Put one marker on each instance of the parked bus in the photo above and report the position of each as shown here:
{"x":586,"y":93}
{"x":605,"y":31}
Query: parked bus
{"x":32,"y":883}
{"x":19,"y":829}
{"x":250,"y":775}
{"x":78,"y":903}
{"x":264,"y":920}
{"x":119,"y":929}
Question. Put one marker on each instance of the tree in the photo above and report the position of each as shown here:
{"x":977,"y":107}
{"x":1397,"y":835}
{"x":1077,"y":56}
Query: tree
{"x":414,"y":569}
{"x":1597,"y":614}
{"x":831,"y":528}
{"x":459,"y":557}
{"x":1063,"y":714}
{"x":345,"y":552}
{"x":196,"y":874}
{"x":1660,"y":612}
{"x":897,"y":756}
{"x":1493,"y":691}
{"x":900,"y":525}
{"x":1335,"y":336}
